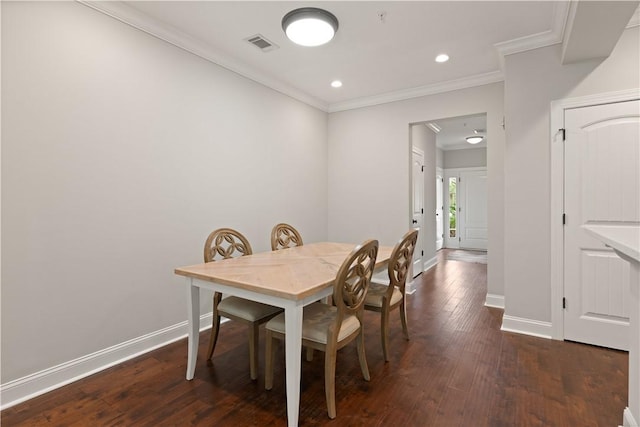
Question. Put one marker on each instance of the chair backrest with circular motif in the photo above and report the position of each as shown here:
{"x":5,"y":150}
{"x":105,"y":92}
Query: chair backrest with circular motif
{"x":354,"y":277}
{"x":284,"y":236}
{"x":401,"y":260}
{"x":225,"y":243}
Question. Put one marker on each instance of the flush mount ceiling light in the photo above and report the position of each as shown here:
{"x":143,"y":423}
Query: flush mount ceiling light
{"x":310,"y":26}
{"x":336,"y":83}
{"x":474,"y":139}
{"x":443,"y":57}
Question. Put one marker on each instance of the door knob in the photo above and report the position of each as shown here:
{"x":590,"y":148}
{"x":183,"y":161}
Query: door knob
{"x":415,"y":222}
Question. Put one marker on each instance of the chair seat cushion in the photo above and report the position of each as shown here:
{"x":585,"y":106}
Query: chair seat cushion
{"x":377,"y":291}
{"x":316,"y":319}
{"x":250,"y":311}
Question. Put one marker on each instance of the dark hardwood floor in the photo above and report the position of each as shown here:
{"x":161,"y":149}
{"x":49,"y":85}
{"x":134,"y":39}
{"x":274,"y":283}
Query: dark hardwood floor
{"x":458,"y":369}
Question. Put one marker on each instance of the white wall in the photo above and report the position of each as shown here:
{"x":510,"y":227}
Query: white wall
{"x":466,"y":158}
{"x":120,"y":153}
{"x":533,"y":80}
{"x":424,"y":139}
{"x":439,"y":158}
{"x":369,"y":167}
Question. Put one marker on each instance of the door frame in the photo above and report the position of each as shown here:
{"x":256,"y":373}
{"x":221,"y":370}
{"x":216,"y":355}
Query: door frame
{"x":440,"y":174}
{"x":421,"y":240}
{"x":556,"y":148}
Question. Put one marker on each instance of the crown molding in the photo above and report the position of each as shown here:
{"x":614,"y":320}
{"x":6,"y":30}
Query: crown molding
{"x":546,"y":38}
{"x":635,"y":19}
{"x":400,"y":95}
{"x":136,"y":19}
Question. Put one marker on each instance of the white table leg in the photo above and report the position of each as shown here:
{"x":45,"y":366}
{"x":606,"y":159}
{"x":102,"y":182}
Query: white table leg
{"x":193,"y":326}
{"x":293,"y":348}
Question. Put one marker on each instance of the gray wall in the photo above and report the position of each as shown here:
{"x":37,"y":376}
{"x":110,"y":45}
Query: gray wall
{"x":466,"y":158}
{"x":533,"y":80}
{"x":120,"y":153}
{"x":439,"y":158}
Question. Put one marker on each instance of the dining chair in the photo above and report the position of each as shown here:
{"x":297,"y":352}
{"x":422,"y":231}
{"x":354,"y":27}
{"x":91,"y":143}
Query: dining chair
{"x":284,"y":236}
{"x":385,"y":298}
{"x":328,"y":328}
{"x":226,"y":243}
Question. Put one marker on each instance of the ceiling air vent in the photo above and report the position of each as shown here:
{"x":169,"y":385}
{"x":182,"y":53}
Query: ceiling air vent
{"x":262,"y":43}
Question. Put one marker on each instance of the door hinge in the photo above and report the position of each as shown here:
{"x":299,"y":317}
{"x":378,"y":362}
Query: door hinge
{"x":422,"y":168}
{"x":564,"y":219}
{"x":459,"y":239}
{"x":422,"y":253}
{"x":564,"y":133}
{"x":421,"y":210}
{"x":564,"y":302}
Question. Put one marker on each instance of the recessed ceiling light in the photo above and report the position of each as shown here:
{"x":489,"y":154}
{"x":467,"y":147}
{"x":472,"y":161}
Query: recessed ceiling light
{"x":474,"y":139}
{"x":336,"y":83}
{"x":443,"y":57}
{"x":310,"y":26}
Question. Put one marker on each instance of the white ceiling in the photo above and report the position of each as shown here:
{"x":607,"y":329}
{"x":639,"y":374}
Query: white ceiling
{"x":454,"y":130}
{"x":372,"y":57}
{"x":378,"y":60}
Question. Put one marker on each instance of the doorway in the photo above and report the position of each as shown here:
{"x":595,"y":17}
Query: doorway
{"x":451,"y":184}
{"x":446,"y":149}
{"x":462,"y":143}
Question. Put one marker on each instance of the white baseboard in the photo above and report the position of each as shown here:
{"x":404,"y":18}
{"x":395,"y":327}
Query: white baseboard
{"x":429,"y":264}
{"x":495,"y":301}
{"x":628,"y":419}
{"x":383,"y":278}
{"x":30,"y":386}
{"x":410,"y":287}
{"x":524,"y":326}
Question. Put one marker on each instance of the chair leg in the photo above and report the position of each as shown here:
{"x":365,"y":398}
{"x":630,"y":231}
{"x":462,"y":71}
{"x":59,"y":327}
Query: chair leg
{"x":268,"y":361}
{"x":330,"y":356}
{"x":362,"y":357}
{"x":384,"y":332}
{"x":254,"y":335}
{"x":403,"y":319}
{"x":215,"y":327}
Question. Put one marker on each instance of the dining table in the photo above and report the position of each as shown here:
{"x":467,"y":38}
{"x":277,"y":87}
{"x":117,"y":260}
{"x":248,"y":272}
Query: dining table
{"x":290,"y":278}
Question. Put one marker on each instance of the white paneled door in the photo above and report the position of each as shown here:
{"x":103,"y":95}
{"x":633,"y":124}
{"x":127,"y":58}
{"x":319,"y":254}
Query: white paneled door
{"x":417,"y":161}
{"x":439,"y":210}
{"x":472,"y":213}
{"x":602,"y":185}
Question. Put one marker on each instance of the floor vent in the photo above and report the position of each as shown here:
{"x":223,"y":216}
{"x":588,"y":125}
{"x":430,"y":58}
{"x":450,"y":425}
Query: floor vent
{"x":262,"y":43}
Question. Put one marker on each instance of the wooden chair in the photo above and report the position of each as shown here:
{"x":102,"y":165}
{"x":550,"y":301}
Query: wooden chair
{"x":383,"y":298}
{"x":284,"y":236}
{"x":328,"y":328}
{"x":227,"y":243}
